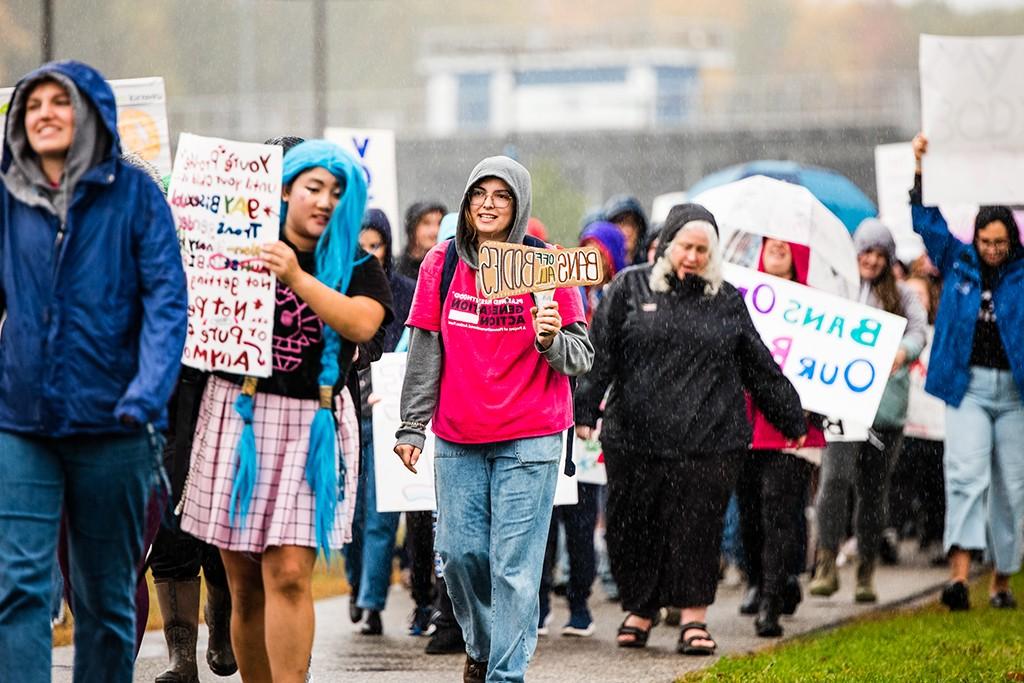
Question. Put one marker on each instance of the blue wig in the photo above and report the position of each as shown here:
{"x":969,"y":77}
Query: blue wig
{"x":337,"y":254}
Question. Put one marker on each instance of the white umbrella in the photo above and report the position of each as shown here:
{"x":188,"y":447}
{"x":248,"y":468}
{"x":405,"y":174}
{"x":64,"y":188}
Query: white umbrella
{"x":767,"y":207}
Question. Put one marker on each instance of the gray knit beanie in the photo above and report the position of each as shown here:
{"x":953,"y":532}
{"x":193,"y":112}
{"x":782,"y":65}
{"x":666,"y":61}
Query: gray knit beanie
{"x":872,"y":234}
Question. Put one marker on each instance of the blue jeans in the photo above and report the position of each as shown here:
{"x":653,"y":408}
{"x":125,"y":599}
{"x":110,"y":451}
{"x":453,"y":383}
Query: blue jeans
{"x":368,"y":556}
{"x":494,"y":506}
{"x":103,"y":483}
{"x":984,"y":466}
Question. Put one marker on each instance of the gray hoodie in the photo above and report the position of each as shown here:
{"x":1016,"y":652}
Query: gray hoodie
{"x":25,"y":179}
{"x":571,"y":352}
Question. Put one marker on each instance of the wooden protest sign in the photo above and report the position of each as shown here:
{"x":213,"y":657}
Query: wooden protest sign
{"x":398,"y":489}
{"x":226,"y":199}
{"x":973,"y":115}
{"x":510,"y":269}
{"x":836,"y":352}
{"x":141,"y":118}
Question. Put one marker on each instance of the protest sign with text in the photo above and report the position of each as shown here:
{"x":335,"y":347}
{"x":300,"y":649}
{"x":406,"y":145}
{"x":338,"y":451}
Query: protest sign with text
{"x":141,"y":118}
{"x":511,"y":269}
{"x":226,"y":201}
{"x":398,"y":489}
{"x":374,"y":148}
{"x":838,"y":353}
{"x":973,"y":115}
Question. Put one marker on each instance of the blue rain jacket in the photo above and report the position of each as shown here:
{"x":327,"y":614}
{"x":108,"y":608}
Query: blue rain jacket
{"x":95,"y":319}
{"x":949,"y":371}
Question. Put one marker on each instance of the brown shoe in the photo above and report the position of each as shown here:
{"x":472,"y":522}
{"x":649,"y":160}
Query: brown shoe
{"x":474,"y":672}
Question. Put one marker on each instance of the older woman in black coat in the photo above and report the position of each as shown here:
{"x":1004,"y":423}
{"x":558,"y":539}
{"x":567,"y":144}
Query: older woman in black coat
{"x":676,"y":349}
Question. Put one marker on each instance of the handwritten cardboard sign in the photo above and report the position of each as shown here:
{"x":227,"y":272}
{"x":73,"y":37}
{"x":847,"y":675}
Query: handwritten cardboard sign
{"x":374,"y":148}
{"x":510,"y":269}
{"x":141,"y":118}
{"x":837,"y":353}
{"x":226,"y":199}
{"x":398,"y":489}
{"x":973,"y":115}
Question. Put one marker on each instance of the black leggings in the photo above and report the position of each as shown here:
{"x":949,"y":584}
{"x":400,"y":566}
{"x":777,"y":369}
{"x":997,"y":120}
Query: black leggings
{"x":178,"y":556}
{"x":772,"y":493}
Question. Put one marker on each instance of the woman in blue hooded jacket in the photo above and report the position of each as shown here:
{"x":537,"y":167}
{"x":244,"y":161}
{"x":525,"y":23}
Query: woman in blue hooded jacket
{"x":93,"y":290}
{"x":977,"y":368}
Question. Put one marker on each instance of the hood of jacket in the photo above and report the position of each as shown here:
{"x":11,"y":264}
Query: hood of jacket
{"x":95,"y":136}
{"x":801,"y":255}
{"x":680,"y":215}
{"x":618,"y":206}
{"x":517,"y":178}
{"x":415,"y":213}
{"x":610,"y":240}
{"x":377,"y":220}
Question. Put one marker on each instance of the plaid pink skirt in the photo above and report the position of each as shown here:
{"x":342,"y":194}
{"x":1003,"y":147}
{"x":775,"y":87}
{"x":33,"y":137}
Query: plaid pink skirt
{"x":283,"y":504}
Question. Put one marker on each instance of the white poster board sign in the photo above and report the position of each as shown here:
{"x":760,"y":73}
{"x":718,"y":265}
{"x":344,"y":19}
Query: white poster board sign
{"x":398,"y":489}
{"x":837,"y":352}
{"x":894,"y":176}
{"x":589,"y":463}
{"x":374,"y":149}
{"x":973,"y":115}
{"x":141,"y":118}
{"x":226,"y":199}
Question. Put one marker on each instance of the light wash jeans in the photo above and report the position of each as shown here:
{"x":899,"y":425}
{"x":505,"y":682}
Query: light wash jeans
{"x":494,"y":505}
{"x":368,"y":556}
{"x":984,"y":467}
{"x":103,"y":483}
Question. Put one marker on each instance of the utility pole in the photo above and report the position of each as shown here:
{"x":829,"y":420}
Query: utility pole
{"x":47,"y":37}
{"x":320,"y":84}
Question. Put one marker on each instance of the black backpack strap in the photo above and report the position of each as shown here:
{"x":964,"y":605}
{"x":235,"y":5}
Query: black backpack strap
{"x":536,"y":242}
{"x":451,"y":262}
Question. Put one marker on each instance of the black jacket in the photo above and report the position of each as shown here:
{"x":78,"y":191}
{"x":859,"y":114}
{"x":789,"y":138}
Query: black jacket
{"x":676,"y":364}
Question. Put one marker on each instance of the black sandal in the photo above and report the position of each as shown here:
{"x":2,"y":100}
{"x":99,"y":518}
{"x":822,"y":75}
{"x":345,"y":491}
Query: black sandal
{"x":640,"y":635}
{"x":686,"y":646}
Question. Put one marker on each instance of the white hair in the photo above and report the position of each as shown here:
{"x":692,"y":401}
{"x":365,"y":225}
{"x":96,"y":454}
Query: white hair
{"x":712,"y":273}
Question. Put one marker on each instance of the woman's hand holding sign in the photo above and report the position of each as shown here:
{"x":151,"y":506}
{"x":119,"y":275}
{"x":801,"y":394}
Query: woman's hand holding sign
{"x":409,"y":455}
{"x":281,"y":261}
{"x":547,"y":322}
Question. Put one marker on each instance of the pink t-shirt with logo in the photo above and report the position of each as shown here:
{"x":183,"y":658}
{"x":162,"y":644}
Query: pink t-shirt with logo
{"x":495,"y":385}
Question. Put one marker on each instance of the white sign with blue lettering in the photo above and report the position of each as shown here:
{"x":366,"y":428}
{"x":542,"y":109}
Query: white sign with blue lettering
{"x":374,"y":149}
{"x":838,"y":353}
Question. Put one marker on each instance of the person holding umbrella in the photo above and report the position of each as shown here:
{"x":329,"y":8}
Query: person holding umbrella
{"x":677,"y":332}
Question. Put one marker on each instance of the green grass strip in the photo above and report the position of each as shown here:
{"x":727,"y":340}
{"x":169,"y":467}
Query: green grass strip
{"x":924,"y":644}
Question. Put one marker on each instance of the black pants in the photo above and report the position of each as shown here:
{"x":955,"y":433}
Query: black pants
{"x":177,"y":556}
{"x":665,"y":527}
{"x":419,"y":547}
{"x":772,"y":493}
{"x":917,"y":493}
{"x":579,"y":521}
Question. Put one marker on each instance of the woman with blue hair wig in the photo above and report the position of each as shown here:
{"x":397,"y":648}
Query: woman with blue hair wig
{"x":275,"y":462}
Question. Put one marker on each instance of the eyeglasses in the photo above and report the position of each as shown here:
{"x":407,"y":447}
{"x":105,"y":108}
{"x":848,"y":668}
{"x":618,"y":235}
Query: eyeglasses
{"x":500,"y":198}
{"x":994,"y":245}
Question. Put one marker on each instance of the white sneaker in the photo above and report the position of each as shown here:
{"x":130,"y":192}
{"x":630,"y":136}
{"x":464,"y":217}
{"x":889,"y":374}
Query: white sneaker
{"x":542,"y":629}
